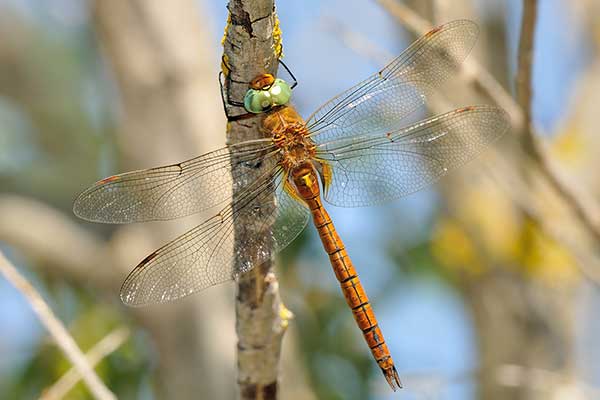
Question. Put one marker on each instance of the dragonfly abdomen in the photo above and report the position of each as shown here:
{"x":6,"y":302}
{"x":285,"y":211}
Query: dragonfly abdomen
{"x":355,"y":295}
{"x":344,"y":270}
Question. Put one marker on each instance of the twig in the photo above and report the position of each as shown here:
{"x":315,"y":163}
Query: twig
{"x":512,"y":375}
{"x":53,"y":240}
{"x":162,"y":56}
{"x":585,"y":211}
{"x":475,"y":74}
{"x":103,"y":348}
{"x":357,"y":42}
{"x":533,"y":147}
{"x":545,"y":380}
{"x":57,"y":330}
{"x":514,"y":187}
{"x":94,"y":263}
{"x":252,"y":46}
{"x":525,"y":60}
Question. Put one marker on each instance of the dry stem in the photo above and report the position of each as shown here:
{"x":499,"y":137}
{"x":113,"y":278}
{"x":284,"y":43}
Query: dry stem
{"x":583,"y":209}
{"x":103,"y":348}
{"x":57,"y":330}
{"x":252,"y":47}
{"x":477,"y":76}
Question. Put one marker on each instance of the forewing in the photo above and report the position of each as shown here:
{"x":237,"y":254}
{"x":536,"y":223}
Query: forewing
{"x":175,"y":190}
{"x":374,"y":169}
{"x":211,"y":253}
{"x":386,"y":99}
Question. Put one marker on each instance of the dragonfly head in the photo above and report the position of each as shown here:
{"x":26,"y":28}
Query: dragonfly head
{"x":266,"y":92}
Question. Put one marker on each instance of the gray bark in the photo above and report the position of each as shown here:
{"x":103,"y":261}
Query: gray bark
{"x":252,"y":47}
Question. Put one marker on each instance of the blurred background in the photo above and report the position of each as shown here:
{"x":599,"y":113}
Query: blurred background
{"x":486,"y":286}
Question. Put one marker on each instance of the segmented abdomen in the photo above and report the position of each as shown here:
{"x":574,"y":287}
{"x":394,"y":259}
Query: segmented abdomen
{"x":353,"y":291}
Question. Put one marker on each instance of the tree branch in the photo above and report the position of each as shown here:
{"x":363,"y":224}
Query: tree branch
{"x":475,"y":75}
{"x":68,"y":249}
{"x":163,"y":60}
{"x":505,"y":175}
{"x":56,"y":329}
{"x":584,"y":210}
{"x":103,"y":348}
{"x":89,"y":262}
{"x":525,"y":60}
{"x":167,"y":88}
{"x":479,"y":78}
{"x":252,"y":46}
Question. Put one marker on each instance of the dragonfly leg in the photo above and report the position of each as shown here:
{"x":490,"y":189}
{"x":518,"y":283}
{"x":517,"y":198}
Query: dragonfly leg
{"x":295,"y":83}
{"x":225,"y":82}
{"x":227,"y":101}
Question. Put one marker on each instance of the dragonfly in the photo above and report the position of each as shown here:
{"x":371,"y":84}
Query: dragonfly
{"x":365,"y":146}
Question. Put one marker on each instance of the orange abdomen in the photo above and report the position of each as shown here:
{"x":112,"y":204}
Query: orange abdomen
{"x":346,"y":274}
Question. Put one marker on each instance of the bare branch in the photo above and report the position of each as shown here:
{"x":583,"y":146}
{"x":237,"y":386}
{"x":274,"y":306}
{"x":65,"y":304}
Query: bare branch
{"x":103,"y":348}
{"x":58,"y":247}
{"x":168,"y":90}
{"x":475,"y":75}
{"x":543,"y":380}
{"x":506,"y":178}
{"x":356,"y":41}
{"x":525,"y":58}
{"x":57,"y":330}
{"x":166,"y":66}
{"x":57,"y":241}
{"x":586,"y":212}
{"x":252,"y":46}
{"x":479,"y":78}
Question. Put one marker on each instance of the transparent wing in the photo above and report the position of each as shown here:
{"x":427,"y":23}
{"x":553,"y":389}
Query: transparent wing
{"x":373,"y":169}
{"x":175,"y":190}
{"x":384,"y":100}
{"x":206,"y":256}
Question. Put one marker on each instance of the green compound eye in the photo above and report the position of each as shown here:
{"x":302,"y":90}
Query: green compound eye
{"x":257,"y":101}
{"x":280,"y":92}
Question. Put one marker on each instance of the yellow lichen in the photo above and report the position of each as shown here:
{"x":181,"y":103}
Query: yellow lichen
{"x":224,"y":66}
{"x":277,"y":41}
{"x":225,"y":59}
{"x":285,"y":314}
{"x":224,"y":39}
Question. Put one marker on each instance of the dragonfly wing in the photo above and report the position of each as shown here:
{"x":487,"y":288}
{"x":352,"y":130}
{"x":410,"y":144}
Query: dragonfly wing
{"x":374,"y":169}
{"x":384,"y":100}
{"x":214,"y":252}
{"x":175,"y":190}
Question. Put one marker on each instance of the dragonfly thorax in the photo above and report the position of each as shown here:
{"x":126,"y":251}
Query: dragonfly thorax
{"x":290,"y":135}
